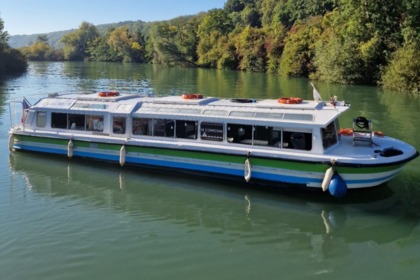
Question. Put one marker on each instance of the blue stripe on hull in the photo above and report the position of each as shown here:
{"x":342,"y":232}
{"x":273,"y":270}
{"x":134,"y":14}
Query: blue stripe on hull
{"x":40,"y":149}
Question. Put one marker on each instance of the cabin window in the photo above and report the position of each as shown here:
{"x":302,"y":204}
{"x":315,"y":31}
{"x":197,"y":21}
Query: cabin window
{"x":76,"y":122}
{"x":211,"y":131}
{"x":163,"y":128}
{"x":267,"y":136}
{"x":329,"y":135}
{"x":297,"y":140}
{"x":186,"y":129}
{"x":59,"y":120}
{"x":262,"y":135}
{"x":142,"y":126}
{"x":41,"y":119}
{"x":239,"y":133}
{"x":94,"y":123}
{"x":118,"y":125}
{"x":29,"y":118}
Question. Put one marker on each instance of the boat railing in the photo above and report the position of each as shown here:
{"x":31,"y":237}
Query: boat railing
{"x":16,"y":112}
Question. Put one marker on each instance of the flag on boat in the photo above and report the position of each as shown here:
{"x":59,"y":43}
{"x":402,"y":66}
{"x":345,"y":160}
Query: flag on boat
{"x":25,"y":104}
{"x":317,"y":96}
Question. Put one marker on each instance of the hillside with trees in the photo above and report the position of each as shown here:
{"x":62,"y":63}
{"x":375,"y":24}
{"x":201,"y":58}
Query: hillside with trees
{"x":342,"y":41}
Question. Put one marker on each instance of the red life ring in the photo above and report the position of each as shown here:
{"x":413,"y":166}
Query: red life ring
{"x":345,"y":131}
{"x":290,"y":100}
{"x":378,"y":133}
{"x":192,"y":96}
{"x":108,"y":93}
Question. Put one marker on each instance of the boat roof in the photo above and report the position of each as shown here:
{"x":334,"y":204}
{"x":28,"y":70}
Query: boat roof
{"x":308,"y":111}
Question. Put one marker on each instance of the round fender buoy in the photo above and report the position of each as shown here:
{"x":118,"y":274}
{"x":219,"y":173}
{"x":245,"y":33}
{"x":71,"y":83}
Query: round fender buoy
{"x":247,"y":170}
{"x":337,"y":187}
{"x":122,"y":155}
{"x":327,"y":178}
{"x":11,"y":142}
{"x":70,"y":147}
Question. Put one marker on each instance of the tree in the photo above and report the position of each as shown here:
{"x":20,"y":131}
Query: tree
{"x":42,"y":38}
{"x":100,"y":50}
{"x":11,"y":61}
{"x":250,"y":49}
{"x":174,"y":42}
{"x":274,"y":45}
{"x":299,"y":50}
{"x":128,"y":46}
{"x":403,"y":71}
{"x":358,"y":38}
{"x":338,"y":61}
{"x":76,"y":43}
{"x":4,"y":36}
{"x":234,"y":6}
{"x":214,"y":28}
{"x":411,"y":23}
{"x":40,"y":50}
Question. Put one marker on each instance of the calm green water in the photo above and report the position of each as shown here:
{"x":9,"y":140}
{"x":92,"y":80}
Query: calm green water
{"x":63,"y":219}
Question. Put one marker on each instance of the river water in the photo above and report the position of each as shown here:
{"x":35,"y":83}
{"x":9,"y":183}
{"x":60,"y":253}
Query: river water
{"x":62,"y":219}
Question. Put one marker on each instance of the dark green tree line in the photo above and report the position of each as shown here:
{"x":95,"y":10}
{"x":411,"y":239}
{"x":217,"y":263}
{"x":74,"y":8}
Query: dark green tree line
{"x":12,"y":61}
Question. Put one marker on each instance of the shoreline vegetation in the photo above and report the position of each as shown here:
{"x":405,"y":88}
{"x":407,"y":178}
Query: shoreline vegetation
{"x":340,"y":41}
{"x":12,"y":61}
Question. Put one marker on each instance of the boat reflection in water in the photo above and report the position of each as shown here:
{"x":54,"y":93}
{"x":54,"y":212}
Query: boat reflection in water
{"x":317,"y":222}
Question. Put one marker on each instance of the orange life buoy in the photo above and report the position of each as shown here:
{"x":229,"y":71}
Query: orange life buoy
{"x":192,"y":96}
{"x":290,"y":100}
{"x":108,"y":93}
{"x":378,"y":133}
{"x":345,"y":131}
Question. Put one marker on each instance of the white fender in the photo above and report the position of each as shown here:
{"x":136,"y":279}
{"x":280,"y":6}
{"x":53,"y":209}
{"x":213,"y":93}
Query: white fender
{"x":247,"y":170}
{"x":327,"y":178}
{"x":70,"y":148}
{"x":11,"y":142}
{"x":122,"y":155}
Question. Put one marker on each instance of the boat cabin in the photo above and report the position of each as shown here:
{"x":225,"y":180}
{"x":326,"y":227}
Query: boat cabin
{"x":260,"y":123}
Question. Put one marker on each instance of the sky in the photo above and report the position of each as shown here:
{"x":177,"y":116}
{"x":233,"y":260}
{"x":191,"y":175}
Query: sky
{"x":24,"y":17}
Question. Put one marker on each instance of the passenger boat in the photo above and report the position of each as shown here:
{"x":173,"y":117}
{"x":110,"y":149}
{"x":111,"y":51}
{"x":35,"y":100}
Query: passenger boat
{"x":272,"y":141}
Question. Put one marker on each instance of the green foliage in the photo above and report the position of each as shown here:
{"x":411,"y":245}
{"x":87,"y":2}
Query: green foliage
{"x":338,"y":61}
{"x":213,"y":36}
{"x":12,"y":61}
{"x":403,"y":71}
{"x":76,"y":43}
{"x":174,"y":43}
{"x":234,"y":6}
{"x":274,"y":45}
{"x":250,"y":49}
{"x":42,"y":38}
{"x":216,"y":20}
{"x":299,"y":50}
{"x":42,"y":51}
{"x":127,"y":46}
{"x":100,"y":50}
{"x":411,"y":23}
{"x":4,"y":36}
